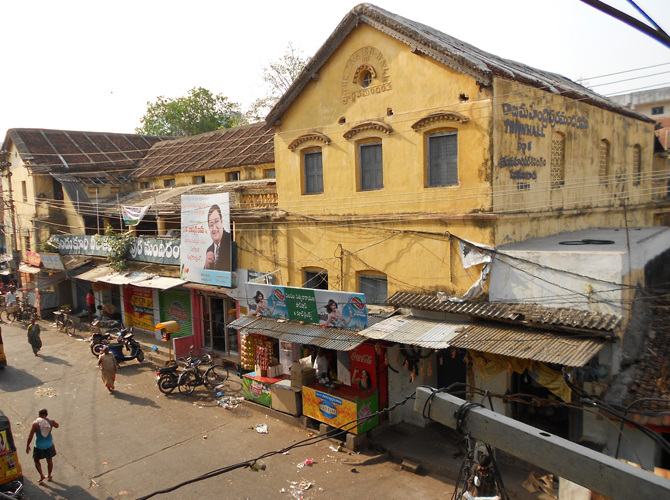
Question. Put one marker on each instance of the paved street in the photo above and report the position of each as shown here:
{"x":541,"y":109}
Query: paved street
{"x":137,"y":441}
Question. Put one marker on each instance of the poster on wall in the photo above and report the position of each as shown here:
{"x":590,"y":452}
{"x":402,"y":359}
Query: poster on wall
{"x":362,"y":367}
{"x":139,"y":307}
{"x":176,"y":306}
{"x":322,"y":307}
{"x":206,"y":255}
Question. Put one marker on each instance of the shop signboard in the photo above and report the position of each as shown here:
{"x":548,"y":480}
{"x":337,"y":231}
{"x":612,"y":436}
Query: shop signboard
{"x":154,"y":250}
{"x":32,"y":258}
{"x":206,"y":255}
{"x":257,"y":391}
{"x":176,"y":306}
{"x":52,"y":261}
{"x":139,"y":307}
{"x":337,"y":411}
{"x":321,"y":307}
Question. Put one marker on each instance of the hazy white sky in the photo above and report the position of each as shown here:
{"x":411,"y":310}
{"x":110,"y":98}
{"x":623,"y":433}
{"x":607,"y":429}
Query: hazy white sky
{"x":93,"y":65}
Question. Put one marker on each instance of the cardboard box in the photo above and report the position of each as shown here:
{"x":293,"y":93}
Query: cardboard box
{"x":301,"y":375}
{"x":286,"y":398}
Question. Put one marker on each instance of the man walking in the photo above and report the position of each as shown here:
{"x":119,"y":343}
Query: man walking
{"x":90,"y":303}
{"x":44,"y":443}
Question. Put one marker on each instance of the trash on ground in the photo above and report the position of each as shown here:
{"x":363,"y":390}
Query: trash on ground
{"x":219,"y":394}
{"x":309,"y":461}
{"x":339,"y":448}
{"x":230,"y":402}
{"x":262,"y":428}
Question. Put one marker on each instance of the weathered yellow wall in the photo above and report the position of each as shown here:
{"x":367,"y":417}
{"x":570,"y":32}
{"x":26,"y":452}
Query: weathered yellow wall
{"x":418,"y":86}
{"x":585,"y":200}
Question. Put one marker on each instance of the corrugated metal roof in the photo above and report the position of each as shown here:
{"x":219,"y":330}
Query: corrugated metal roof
{"x":416,"y":331}
{"x":124,"y":278}
{"x":526,"y":343}
{"x":95,"y":273}
{"x":528,"y":313}
{"x":339,"y":339}
{"x":28,"y":269}
{"x":160,"y":282}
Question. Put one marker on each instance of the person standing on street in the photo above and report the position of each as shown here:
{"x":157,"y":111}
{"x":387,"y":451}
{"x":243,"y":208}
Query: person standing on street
{"x":90,"y":303}
{"x":108,"y":367}
{"x":34,"y":336}
{"x":44,"y":443}
{"x":482,"y":483}
{"x":10,"y":297}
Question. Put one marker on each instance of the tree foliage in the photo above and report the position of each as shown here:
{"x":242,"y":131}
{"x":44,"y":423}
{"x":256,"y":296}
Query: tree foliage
{"x":276,"y":79}
{"x":116,"y":245}
{"x":197,"y":113}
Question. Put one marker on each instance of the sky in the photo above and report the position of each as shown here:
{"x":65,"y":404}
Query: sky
{"x":93,"y":65}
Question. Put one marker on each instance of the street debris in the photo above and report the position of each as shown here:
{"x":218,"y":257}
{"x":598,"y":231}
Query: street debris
{"x":262,"y":428}
{"x":298,"y":489}
{"x":230,"y":402}
{"x":44,"y":391}
{"x":339,"y":448}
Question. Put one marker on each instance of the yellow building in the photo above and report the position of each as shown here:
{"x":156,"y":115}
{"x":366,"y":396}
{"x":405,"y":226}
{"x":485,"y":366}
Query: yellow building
{"x":396,"y":136}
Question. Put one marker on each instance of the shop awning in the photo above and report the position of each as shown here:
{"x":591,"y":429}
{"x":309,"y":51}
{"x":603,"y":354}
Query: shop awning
{"x":26,"y":268}
{"x":124,"y":278}
{"x":527,"y":343}
{"x":160,"y":283}
{"x":416,"y":331}
{"x":206,"y":288}
{"x":95,"y":273}
{"x":5,"y":257}
{"x":339,"y":339}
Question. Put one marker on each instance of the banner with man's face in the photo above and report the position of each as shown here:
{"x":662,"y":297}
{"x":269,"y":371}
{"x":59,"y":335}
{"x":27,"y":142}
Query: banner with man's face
{"x":206,"y":255}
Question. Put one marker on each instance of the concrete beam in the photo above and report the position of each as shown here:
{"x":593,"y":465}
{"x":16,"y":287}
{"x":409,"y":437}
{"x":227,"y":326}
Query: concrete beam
{"x":600,"y":473}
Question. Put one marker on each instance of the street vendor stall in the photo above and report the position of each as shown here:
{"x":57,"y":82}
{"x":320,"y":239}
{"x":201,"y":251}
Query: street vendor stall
{"x":258,"y":389}
{"x":340,"y":405}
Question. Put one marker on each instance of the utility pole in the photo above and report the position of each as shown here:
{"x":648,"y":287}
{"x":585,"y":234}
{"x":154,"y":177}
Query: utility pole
{"x":14,"y":264}
{"x":590,"y":469}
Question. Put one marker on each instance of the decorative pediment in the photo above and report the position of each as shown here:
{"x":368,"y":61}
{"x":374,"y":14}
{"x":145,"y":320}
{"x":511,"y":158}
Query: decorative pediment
{"x":311,"y":136}
{"x":361,"y":68}
{"x":440,"y":117}
{"x":369,"y":125}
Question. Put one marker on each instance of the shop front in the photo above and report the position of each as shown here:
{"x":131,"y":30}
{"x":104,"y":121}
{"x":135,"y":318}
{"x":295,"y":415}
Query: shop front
{"x":212,"y":312}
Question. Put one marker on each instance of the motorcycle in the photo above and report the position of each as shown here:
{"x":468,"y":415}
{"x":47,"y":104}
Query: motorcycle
{"x":98,"y":340}
{"x":133,"y":346}
{"x":167,"y":378}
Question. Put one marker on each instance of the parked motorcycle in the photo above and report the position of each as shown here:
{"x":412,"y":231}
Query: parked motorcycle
{"x":98,"y":340}
{"x":131,"y":345}
{"x":167,"y":378}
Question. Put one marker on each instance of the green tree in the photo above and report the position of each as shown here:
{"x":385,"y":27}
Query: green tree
{"x":197,"y":113}
{"x":276,"y":79}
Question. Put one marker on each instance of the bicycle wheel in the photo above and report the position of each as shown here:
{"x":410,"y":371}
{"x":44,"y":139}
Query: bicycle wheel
{"x":6,"y":316}
{"x":69,"y":327}
{"x":215,"y":375}
{"x":186,"y":382}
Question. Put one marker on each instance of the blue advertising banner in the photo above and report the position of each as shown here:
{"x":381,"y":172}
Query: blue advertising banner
{"x":322,"y":307}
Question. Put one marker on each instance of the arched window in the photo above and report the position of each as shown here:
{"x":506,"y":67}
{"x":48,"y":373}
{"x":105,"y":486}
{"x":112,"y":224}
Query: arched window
{"x":604,"y":167}
{"x":557,"y":161}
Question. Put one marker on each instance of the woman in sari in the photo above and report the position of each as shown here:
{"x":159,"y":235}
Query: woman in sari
{"x":34,"y":337}
{"x":108,"y":367}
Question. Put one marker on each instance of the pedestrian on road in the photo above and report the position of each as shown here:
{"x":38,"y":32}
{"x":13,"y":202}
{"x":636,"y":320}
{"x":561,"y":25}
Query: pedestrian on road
{"x":90,"y":303}
{"x":34,"y":336}
{"x":108,"y":367}
{"x":44,"y":443}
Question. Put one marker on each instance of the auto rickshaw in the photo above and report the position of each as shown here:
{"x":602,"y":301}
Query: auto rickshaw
{"x":11,"y":474}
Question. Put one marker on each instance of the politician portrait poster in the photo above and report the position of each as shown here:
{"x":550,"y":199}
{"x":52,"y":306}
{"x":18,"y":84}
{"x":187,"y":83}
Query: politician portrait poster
{"x":206,"y":255}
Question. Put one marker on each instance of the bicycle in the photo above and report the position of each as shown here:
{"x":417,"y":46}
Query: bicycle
{"x":23,"y":311}
{"x":192,"y":376}
{"x":63,"y":321}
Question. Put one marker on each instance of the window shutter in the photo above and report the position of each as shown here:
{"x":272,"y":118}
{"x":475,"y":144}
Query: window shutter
{"x":313,"y":173}
{"x":443,"y":160}
{"x":372,"y":166}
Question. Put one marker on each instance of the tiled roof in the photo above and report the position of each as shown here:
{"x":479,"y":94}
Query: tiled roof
{"x":652,"y":379}
{"x":229,"y":148}
{"x":447,"y":50}
{"x":528,"y":314}
{"x":71,"y":151}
